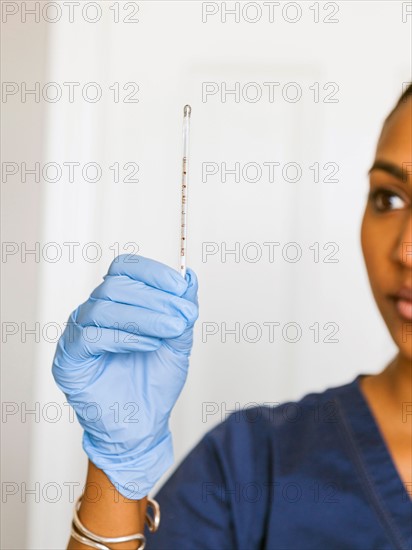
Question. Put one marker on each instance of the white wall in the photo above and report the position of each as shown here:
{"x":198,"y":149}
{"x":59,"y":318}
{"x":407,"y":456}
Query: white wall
{"x":24,"y":55}
{"x":170,"y":52}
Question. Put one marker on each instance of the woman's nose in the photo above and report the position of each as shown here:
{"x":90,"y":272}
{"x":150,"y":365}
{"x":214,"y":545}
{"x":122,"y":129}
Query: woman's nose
{"x":403,"y":250}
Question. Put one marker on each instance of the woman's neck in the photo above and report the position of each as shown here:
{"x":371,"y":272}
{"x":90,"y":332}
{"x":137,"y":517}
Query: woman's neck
{"x":397,"y":378}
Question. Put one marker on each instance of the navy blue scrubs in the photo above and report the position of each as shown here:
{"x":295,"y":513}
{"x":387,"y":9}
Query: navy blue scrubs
{"x":313,"y":474}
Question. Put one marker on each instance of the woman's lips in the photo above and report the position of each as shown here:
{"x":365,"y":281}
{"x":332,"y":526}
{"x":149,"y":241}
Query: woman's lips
{"x":404,"y":308}
{"x":403,"y":302}
{"x":405,"y":293}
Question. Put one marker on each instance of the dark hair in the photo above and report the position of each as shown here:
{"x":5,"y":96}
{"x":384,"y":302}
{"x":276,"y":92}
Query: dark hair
{"x":406,"y":93}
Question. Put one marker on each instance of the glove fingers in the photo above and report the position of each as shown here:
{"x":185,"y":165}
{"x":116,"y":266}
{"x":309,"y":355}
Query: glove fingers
{"x":135,"y":293}
{"x":77,"y":360}
{"x":150,"y":272}
{"x":183,"y":343}
{"x":131,"y":319}
{"x":92,"y":341}
{"x":192,"y":288}
{"x":81,"y":343}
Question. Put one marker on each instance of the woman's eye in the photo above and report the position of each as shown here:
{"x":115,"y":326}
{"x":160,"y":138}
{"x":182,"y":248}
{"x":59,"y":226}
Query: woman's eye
{"x":384,"y":200}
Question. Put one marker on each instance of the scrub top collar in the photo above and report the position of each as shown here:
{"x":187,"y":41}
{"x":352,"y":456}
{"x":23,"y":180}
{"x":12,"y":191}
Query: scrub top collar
{"x":381,"y":481}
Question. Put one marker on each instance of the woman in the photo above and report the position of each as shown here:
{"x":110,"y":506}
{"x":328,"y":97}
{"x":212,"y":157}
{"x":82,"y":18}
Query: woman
{"x":331,"y":471}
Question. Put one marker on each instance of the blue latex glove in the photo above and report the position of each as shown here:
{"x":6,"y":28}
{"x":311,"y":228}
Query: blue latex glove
{"x":122,"y":362}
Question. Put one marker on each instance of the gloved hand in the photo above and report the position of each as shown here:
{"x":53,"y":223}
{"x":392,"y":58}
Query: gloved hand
{"x":122,"y":362}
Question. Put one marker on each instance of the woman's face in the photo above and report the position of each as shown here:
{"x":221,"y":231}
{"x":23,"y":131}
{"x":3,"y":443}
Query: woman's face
{"x":387,"y":226}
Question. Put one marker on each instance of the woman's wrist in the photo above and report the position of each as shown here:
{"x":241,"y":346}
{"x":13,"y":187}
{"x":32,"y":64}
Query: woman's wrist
{"x":108,"y":513}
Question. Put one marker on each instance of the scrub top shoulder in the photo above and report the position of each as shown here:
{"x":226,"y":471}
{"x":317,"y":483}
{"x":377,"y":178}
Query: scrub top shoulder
{"x":313,"y":474}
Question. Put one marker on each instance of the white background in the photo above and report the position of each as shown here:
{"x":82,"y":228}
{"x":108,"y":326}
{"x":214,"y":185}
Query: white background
{"x":169,"y":53}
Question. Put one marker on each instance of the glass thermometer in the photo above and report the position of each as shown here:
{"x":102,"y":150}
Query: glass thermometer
{"x":185,"y":168}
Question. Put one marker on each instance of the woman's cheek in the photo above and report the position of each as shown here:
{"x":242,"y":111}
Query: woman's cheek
{"x":372,"y":243}
{"x":366,"y":241}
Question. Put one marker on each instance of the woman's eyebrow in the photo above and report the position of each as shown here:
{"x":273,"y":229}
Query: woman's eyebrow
{"x":393,"y":169}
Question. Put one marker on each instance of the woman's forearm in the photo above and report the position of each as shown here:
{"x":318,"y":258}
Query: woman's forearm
{"x":107,"y":513}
